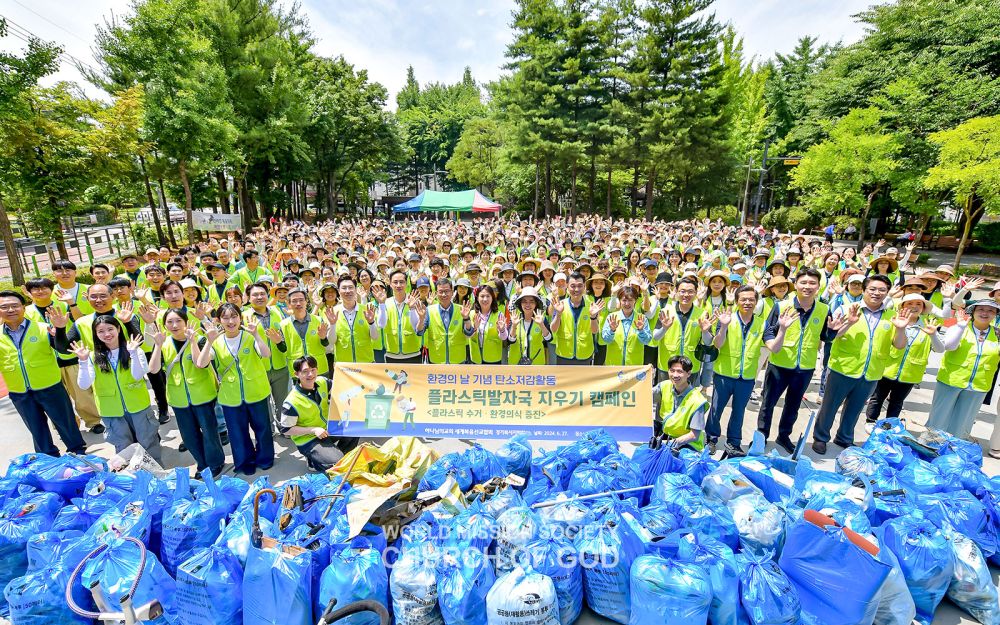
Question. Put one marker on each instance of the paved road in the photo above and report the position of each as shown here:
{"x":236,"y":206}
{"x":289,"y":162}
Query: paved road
{"x":288,"y":462}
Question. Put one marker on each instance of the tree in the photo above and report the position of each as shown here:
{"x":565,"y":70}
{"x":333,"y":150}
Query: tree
{"x":848,"y":170}
{"x":18,"y":74}
{"x":476,"y":159}
{"x":969,"y":167}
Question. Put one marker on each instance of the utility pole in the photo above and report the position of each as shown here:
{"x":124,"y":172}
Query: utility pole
{"x":760,"y":183}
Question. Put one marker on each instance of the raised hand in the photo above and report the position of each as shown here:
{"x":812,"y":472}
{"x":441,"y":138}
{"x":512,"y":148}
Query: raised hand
{"x":666,"y":319}
{"x":378,"y":292}
{"x":912,"y":245}
{"x":853,"y":313}
{"x":539,"y":317}
{"x":212,"y":331}
{"x":274,"y":334}
{"x":148,"y":312}
{"x":515,"y":318}
{"x":202,"y":310}
{"x":332,"y":315}
{"x":369,"y":313}
{"x":190,"y":334}
{"x":141,"y":293}
{"x":124,"y":312}
{"x":596,"y":307}
{"x":158,"y":337}
{"x":252,"y":324}
{"x":724,"y":316}
{"x":57,"y":318}
{"x":930,"y":327}
{"x":880,"y":243}
{"x":65,"y":297}
{"x":948,"y":290}
{"x":788,"y":317}
{"x":558,"y":306}
{"x":962,"y":316}
{"x":706,"y":321}
{"x":501,"y":323}
{"x":903,"y":319}
{"x":613,"y":323}
{"x":324,"y":328}
{"x":466,"y":309}
{"x":411,"y":300}
{"x":80,"y":350}
{"x":971,"y":284}
{"x":639,"y":321}
{"x":134,"y":343}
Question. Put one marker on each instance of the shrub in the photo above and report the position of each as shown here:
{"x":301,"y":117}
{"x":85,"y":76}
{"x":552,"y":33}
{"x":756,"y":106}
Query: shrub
{"x":988,"y":237}
{"x":788,"y":219}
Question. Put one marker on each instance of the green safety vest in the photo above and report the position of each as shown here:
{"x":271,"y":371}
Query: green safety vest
{"x":116,"y":391}
{"x":242,"y":376}
{"x":740,"y":352}
{"x":278,"y":359}
{"x":245,"y":277}
{"x":492,"y":347}
{"x":910,"y":363}
{"x":30,"y":365}
{"x":445,"y":347}
{"x":864,"y":350}
{"x":81,"y":298}
{"x":353,"y":341}
{"x":680,"y":339}
{"x":400,"y":335}
{"x":601,"y":318}
{"x":310,"y":414}
{"x":972,"y":365}
{"x":529,"y":343}
{"x":574,"y":339}
{"x":32,"y":312}
{"x":294,"y":347}
{"x":213,"y":294}
{"x":676,"y":418}
{"x":625,"y":348}
{"x":801,"y":345}
{"x":187,"y":384}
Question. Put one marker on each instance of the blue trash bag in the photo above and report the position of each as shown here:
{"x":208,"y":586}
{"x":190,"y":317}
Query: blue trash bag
{"x":760,"y":523}
{"x":889,"y":448}
{"x":652,"y":463}
{"x":355,"y":573}
{"x":895,"y":604}
{"x":606,"y":509}
{"x":971,"y":586}
{"x":625,"y":473}
{"x":46,"y":547}
{"x":21,"y":466}
{"x":515,"y":456}
{"x":268,"y":509}
{"x":812,"y":482}
{"x":550,"y":476}
{"x":857,"y":461}
{"x":845,"y":512}
{"x":192,"y":523}
{"x":522,"y":597}
{"x":924,"y":478}
{"x":593,"y":445}
{"x":236,"y":535}
{"x":39,"y":597}
{"x":925,"y":557}
{"x":719,"y":562}
{"x":232,"y":490}
{"x":766,"y":594}
{"x":210,"y":587}
{"x":82,"y":513}
{"x":590,"y":478}
{"x":413,"y":586}
{"x":116,"y":568}
{"x":277,"y":587}
{"x":463,"y":580}
{"x":698,"y":464}
{"x":474,"y":527}
{"x":427,"y":529}
{"x":945,"y":444}
{"x":108,"y":485}
{"x":961,"y":511}
{"x":971,"y":477}
{"x":484,"y":464}
{"x":67,"y":476}
{"x":503,"y":500}
{"x":891,"y":498}
{"x":568,"y":515}
{"x":20,"y":519}
{"x":837,"y":582}
{"x":668,"y":592}
{"x":456,"y":464}
{"x":515,"y":529}
{"x":555,"y":556}
{"x":727,"y":483}
{"x":660,"y":519}
{"x":675,"y":487}
{"x":12,"y":488}
{"x":140,"y":514}
{"x":770,"y":474}
{"x":606,"y":552}
{"x":711,"y":518}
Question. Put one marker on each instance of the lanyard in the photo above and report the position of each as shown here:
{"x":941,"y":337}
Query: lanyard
{"x":527,"y":339}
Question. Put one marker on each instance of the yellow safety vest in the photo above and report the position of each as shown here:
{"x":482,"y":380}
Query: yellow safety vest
{"x":972,"y":364}
{"x":529,"y":343}
{"x":278,"y":359}
{"x":353,"y":341}
{"x":864,"y":349}
{"x":187,"y":384}
{"x":625,"y":348}
{"x":294,"y":347}
{"x":676,"y":418}
{"x":242,"y":376}
{"x":400,"y":335}
{"x":680,"y":339}
{"x":487,"y":348}
{"x":801,"y":344}
{"x":30,"y":364}
{"x":445,"y":346}
{"x":116,"y":391}
{"x":910,"y":363}
{"x":573,"y":338}
{"x":740,"y":352}
{"x":310,"y":414}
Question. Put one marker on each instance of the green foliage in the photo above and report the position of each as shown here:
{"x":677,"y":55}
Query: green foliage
{"x":476,"y":160}
{"x":730,"y":215}
{"x":988,"y":235}
{"x":789,"y":219}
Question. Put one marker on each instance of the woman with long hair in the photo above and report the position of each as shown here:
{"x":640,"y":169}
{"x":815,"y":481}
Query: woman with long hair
{"x":191,"y":391}
{"x":116,"y":370}
{"x":598,"y":291}
{"x":239,"y":356}
{"x":490,"y":324}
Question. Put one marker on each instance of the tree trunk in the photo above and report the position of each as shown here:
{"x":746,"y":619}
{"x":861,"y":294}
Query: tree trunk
{"x":166,"y":213}
{"x":220,"y":179}
{"x":971,"y":212}
{"x":572,"y":204}
{"x":591,"y":183}
{"x":864,"y":217}
{"x":538,"y":175}
{"x":188,"y":199}
{"x":548,"y":188}
{"x":16,"y":271}
{"x":152,"y":204}
{"x":331,"y":195}
{"x":607,"y":209}
{"x":650,"y":185}
{"x":635,"y":189}
{"x":923,"y":227}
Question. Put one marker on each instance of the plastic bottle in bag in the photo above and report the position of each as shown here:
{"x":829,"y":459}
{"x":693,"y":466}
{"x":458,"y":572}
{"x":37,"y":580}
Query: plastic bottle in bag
{"x":555,"y":556}
{"x":568,"y":515}
{"x":20,"y":519}
{"x":413,"y":584}
{"x":668,"y":592}
{"x":759,"y":522}
{"x":522,"y":597}
{"x":675,"y":487}
{"x":971,"y":586}
{"x":515,"y":528}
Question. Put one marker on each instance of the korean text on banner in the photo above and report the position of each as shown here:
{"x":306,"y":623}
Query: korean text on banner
{"x":441,"y":401}
{"x":217,"y":222}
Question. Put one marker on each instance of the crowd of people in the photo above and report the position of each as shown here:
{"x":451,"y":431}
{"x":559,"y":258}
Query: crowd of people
{"x":237,"y":336}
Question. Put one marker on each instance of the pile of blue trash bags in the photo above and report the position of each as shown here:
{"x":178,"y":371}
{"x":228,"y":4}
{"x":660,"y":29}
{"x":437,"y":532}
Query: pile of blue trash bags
{"x":902,"y":524}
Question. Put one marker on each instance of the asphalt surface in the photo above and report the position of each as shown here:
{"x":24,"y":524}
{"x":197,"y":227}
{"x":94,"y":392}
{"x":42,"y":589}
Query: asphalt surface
{"x":289,"y":463}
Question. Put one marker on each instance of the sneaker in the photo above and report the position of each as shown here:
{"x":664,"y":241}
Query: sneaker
{"x":755,"y":397}
{"x":224,"y":437}
{"x":734,"y":451}
{"x":786,"y":443}
{"x":842,"y":444}
{"x":98,"y":429}
{"x":182,"y":448}
{"x":995,"y":453}
{"x":164,"y":416}
{"x":712,"y":446}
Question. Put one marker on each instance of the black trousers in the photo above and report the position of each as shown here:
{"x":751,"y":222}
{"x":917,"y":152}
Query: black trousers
{"x":777,"y":380}
{"x":53,"y":402}
{"x":158,"y":381}
{"x":893,"y":390}
{"x":412,"y":360}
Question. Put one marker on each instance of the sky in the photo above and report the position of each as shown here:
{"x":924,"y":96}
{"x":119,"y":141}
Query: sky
{"x":439,"y":38}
